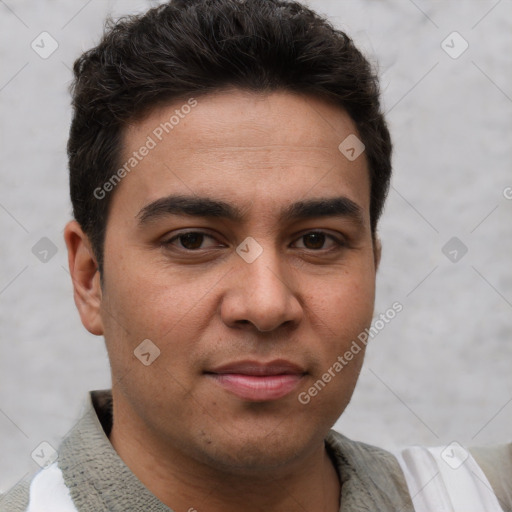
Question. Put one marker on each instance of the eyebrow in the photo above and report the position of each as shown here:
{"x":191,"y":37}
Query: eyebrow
{"x":211,"y":208}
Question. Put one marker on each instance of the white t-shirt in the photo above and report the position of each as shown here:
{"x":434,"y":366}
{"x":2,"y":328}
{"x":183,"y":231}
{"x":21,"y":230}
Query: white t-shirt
{"x":446,"y":479}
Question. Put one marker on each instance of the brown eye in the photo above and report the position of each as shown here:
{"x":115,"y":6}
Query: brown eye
{"x":320,"y":241}
{"x":191,"y":240}
{"x":314,"y":240}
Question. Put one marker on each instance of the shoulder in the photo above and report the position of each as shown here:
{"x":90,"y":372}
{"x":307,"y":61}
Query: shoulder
{"x":428,"y":478}
{"x":496,"y":463}
{"x":45,"y":491}
{"x":454,"y":476}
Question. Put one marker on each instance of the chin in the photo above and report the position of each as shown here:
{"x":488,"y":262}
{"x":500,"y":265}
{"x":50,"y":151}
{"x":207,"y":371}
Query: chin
{"x":254,"y":451}
{"x":255,"y":459}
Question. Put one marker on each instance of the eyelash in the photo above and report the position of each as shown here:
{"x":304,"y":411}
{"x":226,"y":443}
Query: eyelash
{"x":339,"y":243}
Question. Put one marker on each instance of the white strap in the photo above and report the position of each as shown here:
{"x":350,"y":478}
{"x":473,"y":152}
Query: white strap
{"x":446,"y":479}
{"x":49,"y":493}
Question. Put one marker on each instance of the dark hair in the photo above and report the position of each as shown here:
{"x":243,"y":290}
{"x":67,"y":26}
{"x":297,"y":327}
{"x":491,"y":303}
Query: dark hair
{"x":194,"y":47}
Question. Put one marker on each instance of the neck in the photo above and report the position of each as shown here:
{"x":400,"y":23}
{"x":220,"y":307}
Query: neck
{"x":184,"y":483}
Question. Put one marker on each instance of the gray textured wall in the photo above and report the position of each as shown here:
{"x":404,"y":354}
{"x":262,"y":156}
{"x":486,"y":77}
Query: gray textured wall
{"x":440,"y":371}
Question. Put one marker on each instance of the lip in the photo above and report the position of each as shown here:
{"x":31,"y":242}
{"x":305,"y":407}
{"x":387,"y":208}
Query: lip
{"x":256,"y":381}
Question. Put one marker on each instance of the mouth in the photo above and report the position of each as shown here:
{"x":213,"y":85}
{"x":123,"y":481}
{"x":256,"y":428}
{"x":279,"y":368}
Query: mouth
{"x":258,"y":382}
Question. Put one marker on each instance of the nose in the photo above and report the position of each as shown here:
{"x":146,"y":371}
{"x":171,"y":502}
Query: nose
{"x":261,"y":295}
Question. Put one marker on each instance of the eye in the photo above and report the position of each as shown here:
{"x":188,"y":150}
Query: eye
{"x":315,"y":240}
{"x":197,"y":240}
{"x":190,"y":241}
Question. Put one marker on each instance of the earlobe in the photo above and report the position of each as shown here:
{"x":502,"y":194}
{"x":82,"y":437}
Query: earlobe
{"x":85,"y":276}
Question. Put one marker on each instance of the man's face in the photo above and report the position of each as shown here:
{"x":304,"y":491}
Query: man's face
{"x":173,"y":275}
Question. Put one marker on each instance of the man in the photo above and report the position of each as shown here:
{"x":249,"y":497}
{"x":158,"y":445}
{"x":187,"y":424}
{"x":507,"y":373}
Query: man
{"x":228,"y":167}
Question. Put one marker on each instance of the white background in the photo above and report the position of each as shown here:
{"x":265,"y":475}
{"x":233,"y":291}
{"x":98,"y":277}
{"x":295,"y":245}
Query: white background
{"x":440,"y":371}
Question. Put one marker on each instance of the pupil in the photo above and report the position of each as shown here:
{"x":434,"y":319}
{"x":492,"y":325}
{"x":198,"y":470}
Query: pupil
{"x":317,"y":240}
{"x":191,"y":240}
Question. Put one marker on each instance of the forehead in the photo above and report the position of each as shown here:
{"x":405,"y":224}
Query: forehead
{"x":242,"y":147}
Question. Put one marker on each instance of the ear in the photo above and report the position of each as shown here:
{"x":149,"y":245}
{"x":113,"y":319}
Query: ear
{"x":85,"y":276}
{"x":377,"y":251}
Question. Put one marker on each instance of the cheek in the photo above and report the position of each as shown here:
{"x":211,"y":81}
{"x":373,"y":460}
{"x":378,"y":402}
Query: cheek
{"x":346,"y":304}
{"x":140,"y":304}
{"x":149,"y":300}
{"x":343,"y":310}
{"x":170,"y":308}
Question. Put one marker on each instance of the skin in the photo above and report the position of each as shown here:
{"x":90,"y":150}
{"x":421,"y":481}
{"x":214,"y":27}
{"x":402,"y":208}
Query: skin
{"x":192,"y":443}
